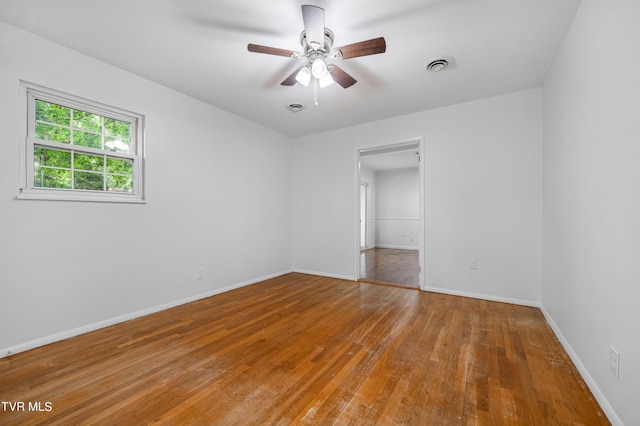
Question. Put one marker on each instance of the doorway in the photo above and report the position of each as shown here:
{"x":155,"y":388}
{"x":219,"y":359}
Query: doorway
{"x":391,"y":214}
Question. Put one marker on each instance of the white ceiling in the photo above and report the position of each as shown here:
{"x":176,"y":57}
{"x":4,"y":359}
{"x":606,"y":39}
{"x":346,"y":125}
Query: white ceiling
{"x":199,"y":47}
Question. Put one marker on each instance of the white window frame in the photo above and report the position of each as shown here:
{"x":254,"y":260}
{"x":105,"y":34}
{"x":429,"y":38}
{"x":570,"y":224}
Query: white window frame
{"x":29,"y":92}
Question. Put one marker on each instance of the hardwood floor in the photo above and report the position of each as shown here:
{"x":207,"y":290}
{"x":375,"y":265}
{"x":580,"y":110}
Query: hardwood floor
{"x":389,"y":266}
{"x":301,"y":349}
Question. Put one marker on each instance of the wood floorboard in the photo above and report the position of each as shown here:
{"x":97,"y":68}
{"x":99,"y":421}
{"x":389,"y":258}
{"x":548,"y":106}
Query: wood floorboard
{"x":390,"y":267}
{"x":301,"y":349}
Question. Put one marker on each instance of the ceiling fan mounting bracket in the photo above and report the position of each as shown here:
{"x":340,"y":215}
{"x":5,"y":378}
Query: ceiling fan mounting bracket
{"x":308,"y":49}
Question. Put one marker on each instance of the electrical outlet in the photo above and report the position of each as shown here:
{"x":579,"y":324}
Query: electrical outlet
{"x":614,"y":361}
{"x":473,"y":263}
{"x":200,"y":273}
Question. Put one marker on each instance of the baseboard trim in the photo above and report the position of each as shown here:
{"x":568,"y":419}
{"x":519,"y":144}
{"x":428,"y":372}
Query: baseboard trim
{"x":326,"y":274}
{"x":32,"y":344}
{"x":390,"y":246}
{"x":591,"y":383}
{"x":482,"y":296}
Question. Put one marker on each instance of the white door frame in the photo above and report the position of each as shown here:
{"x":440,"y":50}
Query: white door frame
{"x":419,"y":141}
{"x":364,"y":219}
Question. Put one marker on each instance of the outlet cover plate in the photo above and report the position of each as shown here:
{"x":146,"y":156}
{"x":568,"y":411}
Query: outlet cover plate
{"x":614,"y":361}
{"x":473,"y":263}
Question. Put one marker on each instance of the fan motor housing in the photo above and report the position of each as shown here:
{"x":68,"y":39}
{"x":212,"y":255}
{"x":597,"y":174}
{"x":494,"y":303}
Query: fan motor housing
{"x":328,"y":42}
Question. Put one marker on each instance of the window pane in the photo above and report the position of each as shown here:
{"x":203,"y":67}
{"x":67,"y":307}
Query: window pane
{"x":52,"y":178}
{"x":119,"y":183}
{"x":87,"y":139}
{"x":87,"y":121}
{"x":121,"y":167}
{"x":88,"y":180}
{"x":52,"y":113}
{"x":52,"y":133}
{"x":117,"y":145}
{"x":51,"y":157}
{"x":88,"y":162}
{"x":117,"y":128}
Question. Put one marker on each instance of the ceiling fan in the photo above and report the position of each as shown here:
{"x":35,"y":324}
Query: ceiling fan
{"x":317,"y":43}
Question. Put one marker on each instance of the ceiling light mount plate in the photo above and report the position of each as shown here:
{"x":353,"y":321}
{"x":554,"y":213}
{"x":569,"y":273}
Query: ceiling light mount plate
{"x":439,"y":63}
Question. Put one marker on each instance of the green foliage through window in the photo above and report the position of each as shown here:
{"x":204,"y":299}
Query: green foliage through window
{"x":52,"y":113}
{"x":57,"y":123}
{"x":53,"y":169}
{"x":52,"y":178}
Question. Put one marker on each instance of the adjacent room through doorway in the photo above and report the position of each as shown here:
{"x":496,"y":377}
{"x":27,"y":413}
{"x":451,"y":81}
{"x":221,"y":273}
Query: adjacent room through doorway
{"x":390,"y":266}
{"x":390,"y":222}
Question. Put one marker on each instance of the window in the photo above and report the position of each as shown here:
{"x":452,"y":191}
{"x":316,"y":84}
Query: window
{"x":75,"y":149}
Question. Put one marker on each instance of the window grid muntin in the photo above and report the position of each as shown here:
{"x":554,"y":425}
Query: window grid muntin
{"x":105,"y":174}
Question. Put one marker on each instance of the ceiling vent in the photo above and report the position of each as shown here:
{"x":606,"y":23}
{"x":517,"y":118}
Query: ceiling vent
{"x":438,"y":63}
{"x":295,"y":107}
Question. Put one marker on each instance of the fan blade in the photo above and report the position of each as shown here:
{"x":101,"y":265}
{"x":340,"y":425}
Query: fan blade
{"x":341,"y":77}
{"x":269,"y":50}
{"x":313,"y":17}
{"x":364,"y":48}
{"x":291,"y":80}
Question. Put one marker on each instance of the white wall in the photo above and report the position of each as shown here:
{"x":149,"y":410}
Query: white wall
{"x":591,"y":204}
{"x":218,"y":190}
{"x":483,"y":194}
{"x":397,"y":199}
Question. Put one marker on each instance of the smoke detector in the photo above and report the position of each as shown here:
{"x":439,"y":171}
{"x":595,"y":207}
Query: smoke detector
{"x":295,"y":107}
{"x":439,"y":63}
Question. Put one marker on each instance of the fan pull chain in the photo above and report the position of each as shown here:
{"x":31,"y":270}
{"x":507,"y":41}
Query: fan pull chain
{"x":315,"y":91}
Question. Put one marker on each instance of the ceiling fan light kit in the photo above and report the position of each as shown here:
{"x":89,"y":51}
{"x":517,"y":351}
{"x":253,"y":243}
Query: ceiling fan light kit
{"x":317,"y":42}
{"x":325,"y":80}
{"x":304,"y":76}
{"x":319,"y":68}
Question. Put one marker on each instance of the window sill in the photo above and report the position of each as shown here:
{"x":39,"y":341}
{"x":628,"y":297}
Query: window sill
{"x":127,"y":199}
